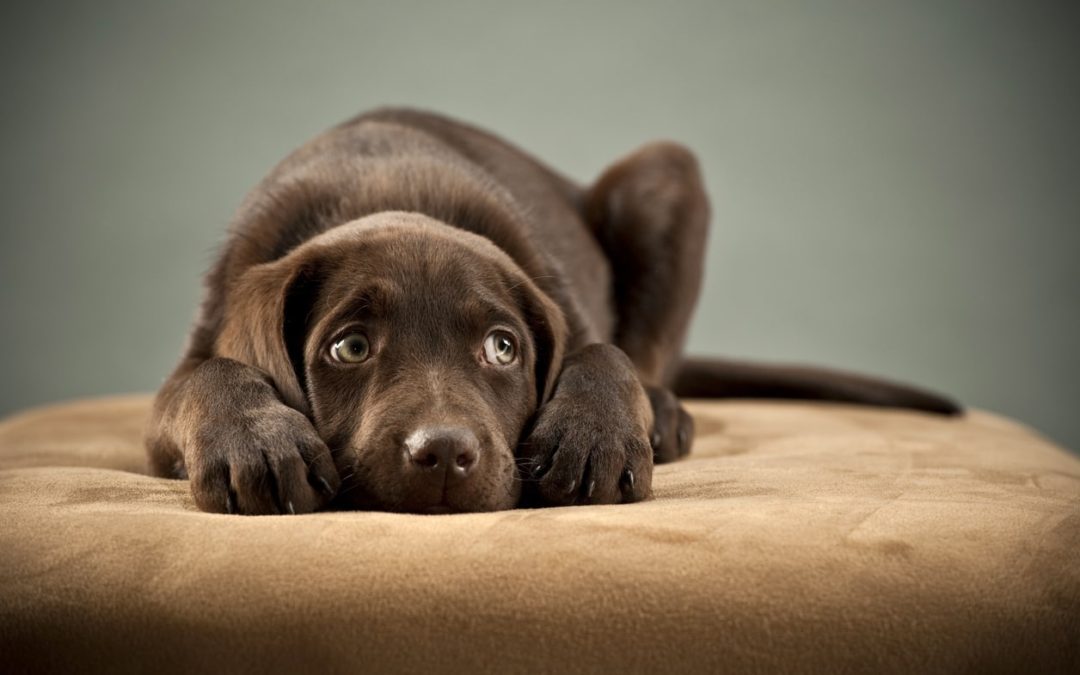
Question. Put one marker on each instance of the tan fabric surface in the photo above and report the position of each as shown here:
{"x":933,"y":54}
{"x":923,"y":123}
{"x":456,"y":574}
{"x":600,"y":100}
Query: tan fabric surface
{"x":797,"y":537}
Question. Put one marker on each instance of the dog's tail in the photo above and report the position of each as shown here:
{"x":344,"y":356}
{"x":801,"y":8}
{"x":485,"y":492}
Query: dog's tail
{"x":721,"y":378}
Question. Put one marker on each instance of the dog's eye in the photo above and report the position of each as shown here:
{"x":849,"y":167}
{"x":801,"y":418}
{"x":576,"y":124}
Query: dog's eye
{"x":352,"y":348}
{"x":499,"y":348}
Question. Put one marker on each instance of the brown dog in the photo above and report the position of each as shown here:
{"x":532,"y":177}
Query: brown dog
{"x":411,"y":314}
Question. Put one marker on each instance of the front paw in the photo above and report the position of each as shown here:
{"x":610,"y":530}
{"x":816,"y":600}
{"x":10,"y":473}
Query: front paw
{"x":590,"y":443}
{"x":263,"y":460}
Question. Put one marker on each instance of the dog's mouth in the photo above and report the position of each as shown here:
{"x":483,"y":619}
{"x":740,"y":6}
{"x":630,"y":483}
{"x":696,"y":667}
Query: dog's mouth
{"x":393,"y":480}
{"x":441,"y":509}
{"x":360,"y":491}
{"x":443,"y":502}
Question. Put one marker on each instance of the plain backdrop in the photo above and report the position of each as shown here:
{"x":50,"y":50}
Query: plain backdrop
{"x":894,"y":185}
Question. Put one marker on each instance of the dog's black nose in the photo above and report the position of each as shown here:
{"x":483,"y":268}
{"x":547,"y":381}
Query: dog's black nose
{"x":439,"y":451}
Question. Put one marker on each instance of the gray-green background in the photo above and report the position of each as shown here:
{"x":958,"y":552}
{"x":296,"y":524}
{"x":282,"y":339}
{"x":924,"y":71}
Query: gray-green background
{"x":895,"y":185}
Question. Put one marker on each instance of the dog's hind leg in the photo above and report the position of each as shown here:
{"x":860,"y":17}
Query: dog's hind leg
{"x":650,"y":213}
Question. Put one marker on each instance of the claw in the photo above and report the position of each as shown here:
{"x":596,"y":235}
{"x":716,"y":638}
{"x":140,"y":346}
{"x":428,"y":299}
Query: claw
{"x":324,"y":486}
{"x":230,"y":503}
{"x":628,"y":478}
{"x":539,"y":469}
{"x":290,"y":509}
{"x":589,"y":490}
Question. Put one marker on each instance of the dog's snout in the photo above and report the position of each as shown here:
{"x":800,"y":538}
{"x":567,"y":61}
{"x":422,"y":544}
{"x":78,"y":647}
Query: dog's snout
{"x":450,"y":451}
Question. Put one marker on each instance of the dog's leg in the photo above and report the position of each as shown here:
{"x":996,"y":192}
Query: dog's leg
{"x":650,"y":214}
{"x":222,"y":424}
{"x":589,"y":444}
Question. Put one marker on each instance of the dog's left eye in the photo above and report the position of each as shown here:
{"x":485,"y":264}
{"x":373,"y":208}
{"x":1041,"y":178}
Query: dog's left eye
{"x":352,"y":348}
{"x":499,"y":348}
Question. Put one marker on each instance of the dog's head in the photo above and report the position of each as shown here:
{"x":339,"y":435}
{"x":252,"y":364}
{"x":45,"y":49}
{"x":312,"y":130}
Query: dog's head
{"x":419,"y":351}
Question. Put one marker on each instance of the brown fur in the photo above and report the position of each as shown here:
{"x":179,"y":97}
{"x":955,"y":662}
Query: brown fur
{"x":424,"y":235}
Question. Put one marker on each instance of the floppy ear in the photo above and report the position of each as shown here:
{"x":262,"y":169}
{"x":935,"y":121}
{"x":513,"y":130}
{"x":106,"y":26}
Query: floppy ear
{"x":549,"y":330}
{"x":266,"y":321}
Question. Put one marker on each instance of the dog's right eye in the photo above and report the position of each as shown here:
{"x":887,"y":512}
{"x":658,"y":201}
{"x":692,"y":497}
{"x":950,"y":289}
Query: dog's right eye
{"x":352,"y":348}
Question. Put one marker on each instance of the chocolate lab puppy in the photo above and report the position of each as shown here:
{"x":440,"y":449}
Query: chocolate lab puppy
{"x":411,"y":314}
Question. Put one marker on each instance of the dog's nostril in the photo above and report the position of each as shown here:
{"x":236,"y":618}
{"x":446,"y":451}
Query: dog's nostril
{"x":442,"y":450}
{"x":466,"y":458}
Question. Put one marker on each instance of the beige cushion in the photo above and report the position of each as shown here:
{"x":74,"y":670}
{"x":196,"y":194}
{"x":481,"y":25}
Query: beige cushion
{"x":796,"y":537}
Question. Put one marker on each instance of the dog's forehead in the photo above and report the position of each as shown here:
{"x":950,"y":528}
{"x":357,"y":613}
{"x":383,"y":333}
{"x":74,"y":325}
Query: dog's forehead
{"x":406,"y":260}
{"x":409,"y":252}
{"x":403,"y":233}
